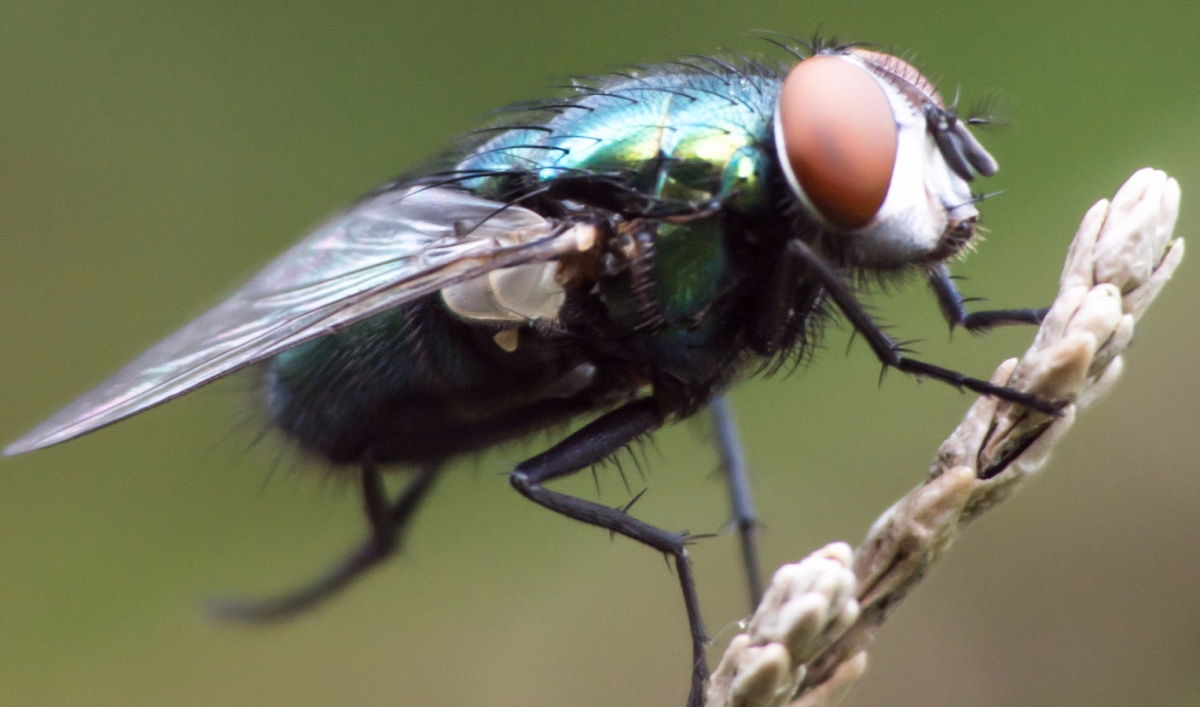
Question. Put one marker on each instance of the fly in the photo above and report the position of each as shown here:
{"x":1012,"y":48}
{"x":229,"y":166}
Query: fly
{"x":622,"y":254}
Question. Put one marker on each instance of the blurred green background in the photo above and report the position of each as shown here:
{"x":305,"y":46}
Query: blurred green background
{"x":154,"y":154}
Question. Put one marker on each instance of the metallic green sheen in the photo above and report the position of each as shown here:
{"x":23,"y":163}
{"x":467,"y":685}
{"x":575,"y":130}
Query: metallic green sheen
{"x":686,"y":137}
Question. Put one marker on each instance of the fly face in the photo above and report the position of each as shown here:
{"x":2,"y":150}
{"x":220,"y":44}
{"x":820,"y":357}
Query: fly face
{"x":870,"y":149}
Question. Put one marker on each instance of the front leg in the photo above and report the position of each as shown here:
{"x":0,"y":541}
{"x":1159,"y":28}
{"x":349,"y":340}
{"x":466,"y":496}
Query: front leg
{"x":888,"y":351}
{"x":592,"y":444}
{"x":954,"y":309}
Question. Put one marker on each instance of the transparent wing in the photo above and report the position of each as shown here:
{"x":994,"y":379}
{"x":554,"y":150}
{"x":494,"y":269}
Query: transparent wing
{"x":389,"y":249}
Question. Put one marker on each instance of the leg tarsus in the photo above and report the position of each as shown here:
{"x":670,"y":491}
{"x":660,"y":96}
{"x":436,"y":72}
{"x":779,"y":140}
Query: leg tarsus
{"x":975,"y":385}
{"x":953,"y":306}
{"x":696,"y":626}
{"x":288,"y":605}
{"x":982,"y":321}
{"x":387,"y":525}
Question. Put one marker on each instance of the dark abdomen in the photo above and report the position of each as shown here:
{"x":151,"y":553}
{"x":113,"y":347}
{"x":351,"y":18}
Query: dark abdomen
{"x":416,"y":385}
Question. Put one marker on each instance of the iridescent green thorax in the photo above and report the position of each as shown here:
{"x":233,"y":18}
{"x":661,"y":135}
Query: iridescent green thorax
{"x":682,"y":139}
{"x":686,"y":136}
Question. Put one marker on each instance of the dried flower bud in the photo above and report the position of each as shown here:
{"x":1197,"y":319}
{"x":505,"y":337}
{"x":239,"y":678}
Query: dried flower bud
{"x":805,"y":645}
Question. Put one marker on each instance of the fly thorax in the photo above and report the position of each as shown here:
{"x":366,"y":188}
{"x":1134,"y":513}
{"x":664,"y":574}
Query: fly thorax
{"x":873,"y":155}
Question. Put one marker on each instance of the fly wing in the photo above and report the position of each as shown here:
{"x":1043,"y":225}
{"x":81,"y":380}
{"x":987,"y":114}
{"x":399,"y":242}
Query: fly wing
{"x":389,"y":249}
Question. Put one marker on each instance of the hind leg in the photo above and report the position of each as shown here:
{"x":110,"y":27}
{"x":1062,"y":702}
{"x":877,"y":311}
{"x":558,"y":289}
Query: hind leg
{"x":387,"y":522}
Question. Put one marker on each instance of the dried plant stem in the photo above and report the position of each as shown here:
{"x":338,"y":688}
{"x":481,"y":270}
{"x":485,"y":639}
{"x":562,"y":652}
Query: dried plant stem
{"x":805,"y":645}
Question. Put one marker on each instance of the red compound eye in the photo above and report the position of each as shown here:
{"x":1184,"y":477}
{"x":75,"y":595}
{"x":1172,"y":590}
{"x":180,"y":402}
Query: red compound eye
{"x":839,"y":135}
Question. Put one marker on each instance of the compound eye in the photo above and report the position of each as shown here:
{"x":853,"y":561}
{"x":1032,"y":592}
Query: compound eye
{"x":839,"y":136}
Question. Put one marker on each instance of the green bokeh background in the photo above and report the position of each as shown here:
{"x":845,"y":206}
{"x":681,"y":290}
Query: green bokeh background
{"x":154,"y":154}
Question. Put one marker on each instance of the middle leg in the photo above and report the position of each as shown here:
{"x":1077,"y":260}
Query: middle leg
{"x":590,"y":445}
{"x":733,"y":463}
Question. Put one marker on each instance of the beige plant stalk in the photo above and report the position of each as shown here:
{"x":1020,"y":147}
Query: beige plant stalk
{"x":805,"y":645}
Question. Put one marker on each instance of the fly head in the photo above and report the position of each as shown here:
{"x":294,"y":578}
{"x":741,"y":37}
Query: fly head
{"x":874,"y":156}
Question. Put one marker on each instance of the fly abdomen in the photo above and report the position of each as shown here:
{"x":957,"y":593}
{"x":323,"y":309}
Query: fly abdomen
{"x":417,"y":385}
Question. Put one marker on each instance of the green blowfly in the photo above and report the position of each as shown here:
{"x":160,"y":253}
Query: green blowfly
{"x":623,"y":253}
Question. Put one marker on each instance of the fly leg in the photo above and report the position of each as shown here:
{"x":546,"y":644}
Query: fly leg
{"x":590,"y":445}
{"x":386,"y":521}
{"x":733,"y":462}
{"x":888,"y":351}
{"x":954,"y":309}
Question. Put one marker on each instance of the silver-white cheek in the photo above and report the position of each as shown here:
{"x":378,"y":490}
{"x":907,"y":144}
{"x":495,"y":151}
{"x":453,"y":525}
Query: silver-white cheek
{"x":905,"y":227}
{"x":947,"y":192}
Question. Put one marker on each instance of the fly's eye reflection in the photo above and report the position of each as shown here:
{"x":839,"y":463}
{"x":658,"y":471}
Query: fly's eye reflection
{"x":839,"y":136}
